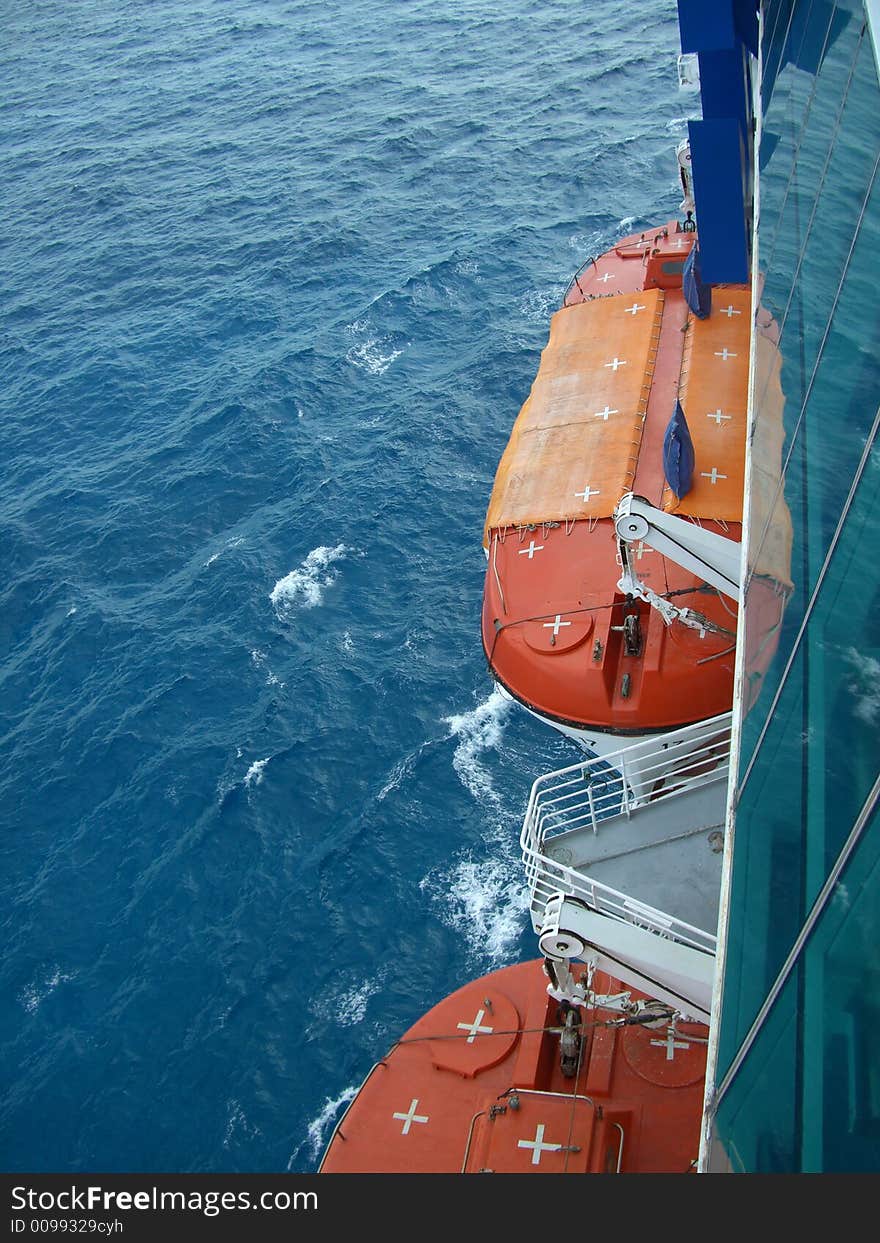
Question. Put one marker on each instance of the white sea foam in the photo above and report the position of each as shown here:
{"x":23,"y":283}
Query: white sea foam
{"x":254,"y":775}
{"x":34,"y":994}
{"x":304,"y":587}
{"x":319,"y":1127}
{"x":482,"y":901}
{"x":419,"y":634}
{"x":478,"y":731}
{"x":588,"y":243}
{"x":624,"y":225}
{"x":259,"y":659}
{"x":395,"y":777}
{"x":230,"y":543}
{"x":374,"y":355}
{"x":398,"y":774}
{"x":71,"y":611}
{"x":538,"y":305}
{"x":351,"y":1006}
{"x":237,"y":1124}
{"x":865,"y":688}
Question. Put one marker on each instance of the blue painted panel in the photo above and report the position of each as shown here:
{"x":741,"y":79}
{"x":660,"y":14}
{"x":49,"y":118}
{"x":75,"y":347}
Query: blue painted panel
{"x":723,"y":84}
{"x":718,"y":156}
{"x":745,"y":14}
{"x":704,"y":26}
{"x":697,"y":294}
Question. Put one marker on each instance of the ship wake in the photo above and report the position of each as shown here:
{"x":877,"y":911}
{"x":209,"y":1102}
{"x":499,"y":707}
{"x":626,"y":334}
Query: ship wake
{"x":480,"y":893}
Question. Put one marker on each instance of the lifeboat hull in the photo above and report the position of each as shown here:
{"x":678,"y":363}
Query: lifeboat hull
{"x":478,"y":1086}
{"x":559,"y":633}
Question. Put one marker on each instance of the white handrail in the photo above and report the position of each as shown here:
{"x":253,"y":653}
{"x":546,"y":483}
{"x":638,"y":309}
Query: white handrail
{"x":608,"y":901}
{"x":586,"y":794}
{"x":651,"y":770}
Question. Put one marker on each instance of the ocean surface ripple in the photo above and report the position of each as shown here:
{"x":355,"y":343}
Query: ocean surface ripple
{"x":277,"y":279}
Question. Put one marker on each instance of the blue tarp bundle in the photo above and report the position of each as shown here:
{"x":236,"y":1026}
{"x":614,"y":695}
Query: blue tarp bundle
{"x":697,"y":295}
{"x":678,"y":454}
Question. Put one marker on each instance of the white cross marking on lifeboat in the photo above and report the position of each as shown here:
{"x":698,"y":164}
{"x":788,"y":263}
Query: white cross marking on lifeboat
{"x":712,"y":474}
{"x":531,"y":550}
{"x":616,"y":362}
{"x":633,"y":310}
{"x":410,"y":1117}
{"x":641,"y":549}
{"x":537,"y":1145}
{"x":724,"y":354}
{"x":679,"y":243}
{"x":606,"y":278}
{"x":671,"y":1044}
{"x":475,"y":1027}
{"x":587,"y":493}
{"x":718,"y":416}
{"x":554,"y":625}
{"x":603,"y":414}
{"x":730,"y":311}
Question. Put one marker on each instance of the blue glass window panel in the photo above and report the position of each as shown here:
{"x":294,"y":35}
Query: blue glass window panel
{"x":807,"y":1095}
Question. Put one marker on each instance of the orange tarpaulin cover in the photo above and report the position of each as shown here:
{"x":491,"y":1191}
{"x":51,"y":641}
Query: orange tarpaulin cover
{"x":714,"y":394}
{"x":574,"y":447}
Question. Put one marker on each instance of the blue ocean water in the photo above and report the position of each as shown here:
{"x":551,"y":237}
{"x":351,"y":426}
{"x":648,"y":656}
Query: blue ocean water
{"x":277,"y":277}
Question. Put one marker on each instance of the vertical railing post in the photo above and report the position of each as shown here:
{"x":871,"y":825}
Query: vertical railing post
{"x":592,"y":806}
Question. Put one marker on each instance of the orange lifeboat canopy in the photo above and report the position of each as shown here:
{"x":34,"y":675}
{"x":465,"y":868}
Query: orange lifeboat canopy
{"x":558,"y":632}
{"x":477,"y":1086}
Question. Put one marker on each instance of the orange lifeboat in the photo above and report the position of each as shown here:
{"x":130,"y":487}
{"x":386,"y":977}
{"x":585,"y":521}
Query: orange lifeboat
{"x":499,"y":1078}
{"x":559,"y":632}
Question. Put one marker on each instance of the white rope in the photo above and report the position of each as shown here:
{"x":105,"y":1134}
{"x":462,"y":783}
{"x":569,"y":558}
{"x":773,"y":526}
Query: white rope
{"x":497,"y":578}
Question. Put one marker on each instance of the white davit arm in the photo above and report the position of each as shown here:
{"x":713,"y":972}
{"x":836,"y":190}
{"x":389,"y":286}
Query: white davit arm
{"x":712,"y":557}
{"x":679,"y":975}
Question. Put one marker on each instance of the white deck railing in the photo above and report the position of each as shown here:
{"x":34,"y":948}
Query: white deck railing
{"x":549,"y":881}
{"x":650,"y":771}
{"x":585,"y":796}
